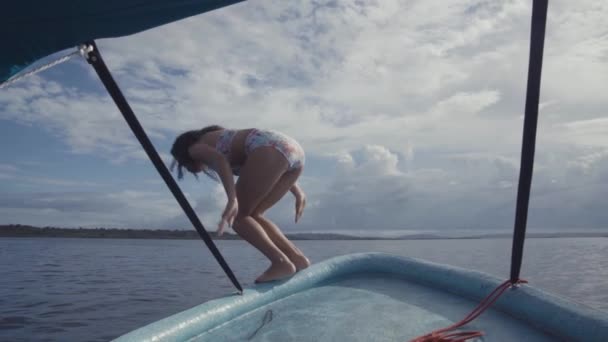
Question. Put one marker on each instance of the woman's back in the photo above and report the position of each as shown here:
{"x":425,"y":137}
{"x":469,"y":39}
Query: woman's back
{"x":231,"y":143}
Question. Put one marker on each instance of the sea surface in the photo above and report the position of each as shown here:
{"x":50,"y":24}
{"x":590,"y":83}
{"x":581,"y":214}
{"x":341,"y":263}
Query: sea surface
{"x":68,"y":289}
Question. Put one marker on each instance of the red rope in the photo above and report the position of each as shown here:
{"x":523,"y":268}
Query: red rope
{"x":445,"y":334}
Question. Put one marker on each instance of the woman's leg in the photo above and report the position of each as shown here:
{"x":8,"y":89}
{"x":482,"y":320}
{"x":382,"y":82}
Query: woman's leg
{"x":283,"y":185}
{"x":262,"y":170}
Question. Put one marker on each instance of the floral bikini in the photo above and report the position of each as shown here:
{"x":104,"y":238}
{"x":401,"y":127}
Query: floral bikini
{"x":289,"y":147}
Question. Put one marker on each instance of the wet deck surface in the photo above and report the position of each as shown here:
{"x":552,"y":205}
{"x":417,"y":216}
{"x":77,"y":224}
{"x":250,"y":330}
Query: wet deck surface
{"x":367,"y":307}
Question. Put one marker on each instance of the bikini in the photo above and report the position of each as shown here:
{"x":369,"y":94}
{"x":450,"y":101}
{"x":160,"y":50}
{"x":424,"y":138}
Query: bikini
{"x":289,"y":147}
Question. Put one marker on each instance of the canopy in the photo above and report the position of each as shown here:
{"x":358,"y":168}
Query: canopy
{"x":33,"y":29}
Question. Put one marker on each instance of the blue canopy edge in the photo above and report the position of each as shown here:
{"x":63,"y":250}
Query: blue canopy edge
{"x":31,"y":30}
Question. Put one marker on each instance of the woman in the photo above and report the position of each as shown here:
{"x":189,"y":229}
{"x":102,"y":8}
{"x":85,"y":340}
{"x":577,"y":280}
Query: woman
{"x":268,"y":164}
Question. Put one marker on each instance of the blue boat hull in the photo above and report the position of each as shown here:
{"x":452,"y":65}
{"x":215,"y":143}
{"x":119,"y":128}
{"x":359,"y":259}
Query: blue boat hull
{"x":378,"y":297}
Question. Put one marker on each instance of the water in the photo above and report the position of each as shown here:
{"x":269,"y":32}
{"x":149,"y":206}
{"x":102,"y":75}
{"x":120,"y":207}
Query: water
{"x":54,"y":289}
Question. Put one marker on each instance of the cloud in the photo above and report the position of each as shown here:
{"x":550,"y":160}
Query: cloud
{"x":465,"y":191}
{"x":585,"y":133}
{"x":86,"y":121}
{"x":417,"y":118}
{"x":7,"y":171}
{"x":8,"y":168}
{"x":125,"y":209}
{"x":319,"y":67}
{"x":208,"y":207}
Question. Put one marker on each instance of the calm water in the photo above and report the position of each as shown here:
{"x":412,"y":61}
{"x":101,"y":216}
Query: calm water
{"x":96,"y":289}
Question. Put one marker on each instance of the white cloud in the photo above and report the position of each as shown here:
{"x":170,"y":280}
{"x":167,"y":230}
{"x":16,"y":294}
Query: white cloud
{"x":375,"y":160}
{"x":420,"y":113}
{"x":585,"y":133}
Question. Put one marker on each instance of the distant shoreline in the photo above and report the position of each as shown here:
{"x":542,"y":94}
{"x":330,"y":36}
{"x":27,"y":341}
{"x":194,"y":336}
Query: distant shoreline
{"x":17,"y":230}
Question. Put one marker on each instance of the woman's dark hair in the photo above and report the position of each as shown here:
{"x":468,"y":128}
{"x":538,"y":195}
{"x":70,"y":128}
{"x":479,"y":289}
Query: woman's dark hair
{"x":182,"y":144}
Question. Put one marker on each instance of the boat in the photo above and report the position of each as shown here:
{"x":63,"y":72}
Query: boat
{"x":378,"y":297}
{"x":356,"y":297}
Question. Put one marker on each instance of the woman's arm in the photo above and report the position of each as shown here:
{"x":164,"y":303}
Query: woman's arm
{"x":211,"y":158}
{"x":223,"y":169}
{"x":300,"y":200}
{"x":296,"y":190}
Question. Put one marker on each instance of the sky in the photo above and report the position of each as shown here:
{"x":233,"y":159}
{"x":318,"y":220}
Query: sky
{"x":410,"y":112}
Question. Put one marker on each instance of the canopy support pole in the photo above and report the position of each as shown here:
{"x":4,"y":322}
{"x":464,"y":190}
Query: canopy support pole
{"x":537,"y":40}
{"x":94,"y":58}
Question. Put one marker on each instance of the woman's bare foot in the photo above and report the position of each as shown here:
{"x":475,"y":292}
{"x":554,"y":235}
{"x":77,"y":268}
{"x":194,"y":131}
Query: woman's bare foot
{"x":300,"y":261}
{"x":276,"y":271}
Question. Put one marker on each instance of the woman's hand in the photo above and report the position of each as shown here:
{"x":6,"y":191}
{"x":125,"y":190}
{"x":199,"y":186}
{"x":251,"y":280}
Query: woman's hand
{"x":300,"y":204}
{"x":228,"y":216}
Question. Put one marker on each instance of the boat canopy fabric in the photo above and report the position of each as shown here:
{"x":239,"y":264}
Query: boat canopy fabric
{"x":33,"y":29}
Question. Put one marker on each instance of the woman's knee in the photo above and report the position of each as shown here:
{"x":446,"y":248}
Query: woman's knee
{"x":240,"y":220}
{"x":238,"y":223}
{"x":258,"y":211}
{"x":242,"y":215}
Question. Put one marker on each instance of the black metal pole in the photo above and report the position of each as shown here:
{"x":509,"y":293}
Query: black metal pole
{"x":94,"y":58}
{"x":537,"y":39}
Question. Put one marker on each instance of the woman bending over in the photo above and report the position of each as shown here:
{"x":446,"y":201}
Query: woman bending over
{"x":268,"y":164}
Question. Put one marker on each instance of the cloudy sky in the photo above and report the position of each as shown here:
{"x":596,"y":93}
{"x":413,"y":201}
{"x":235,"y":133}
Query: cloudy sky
{"x":410,"y":113}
